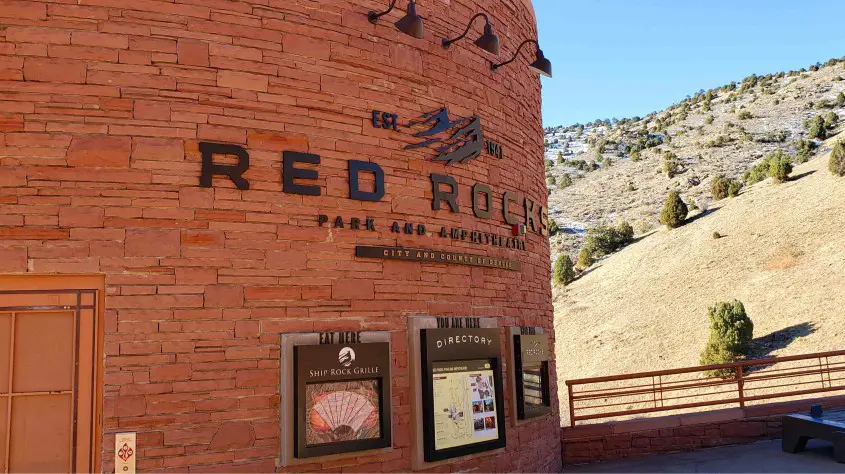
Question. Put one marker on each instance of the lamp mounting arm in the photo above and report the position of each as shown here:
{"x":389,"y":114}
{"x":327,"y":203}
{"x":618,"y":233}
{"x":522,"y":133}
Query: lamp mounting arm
{"x":373,"y":16}
{"x":497,"y":66}
{"x":448,"y":42}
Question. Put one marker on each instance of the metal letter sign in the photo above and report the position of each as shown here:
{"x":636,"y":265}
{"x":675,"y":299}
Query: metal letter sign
{"x":436,"y":256}
{"x":234,"y":172}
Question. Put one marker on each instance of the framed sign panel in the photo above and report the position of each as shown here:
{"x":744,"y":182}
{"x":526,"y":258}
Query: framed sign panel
{"x":342,"y":398}
{"x":531,"y":370}
{"x":463,"y":406}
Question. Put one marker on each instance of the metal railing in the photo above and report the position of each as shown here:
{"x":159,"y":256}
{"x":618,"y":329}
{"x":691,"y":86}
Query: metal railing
{"x":735,"y":384}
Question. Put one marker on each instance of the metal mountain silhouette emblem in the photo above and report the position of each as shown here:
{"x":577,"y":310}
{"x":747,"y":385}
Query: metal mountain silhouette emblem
{"x":458,"y":141}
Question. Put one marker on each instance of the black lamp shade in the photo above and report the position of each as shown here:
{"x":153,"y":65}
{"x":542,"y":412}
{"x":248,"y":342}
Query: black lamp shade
{"x":411,"y":24}
{"x":542,"y":65}
{"x":488,"y":41}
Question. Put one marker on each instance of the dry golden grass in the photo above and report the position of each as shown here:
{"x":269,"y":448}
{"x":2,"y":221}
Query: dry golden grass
{"x":635,"y":191}
{"x":784,"y":259}
{"x":782,"y":254}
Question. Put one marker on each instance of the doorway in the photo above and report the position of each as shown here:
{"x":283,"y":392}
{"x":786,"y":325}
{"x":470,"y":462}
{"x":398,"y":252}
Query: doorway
{"x":50,"y":373}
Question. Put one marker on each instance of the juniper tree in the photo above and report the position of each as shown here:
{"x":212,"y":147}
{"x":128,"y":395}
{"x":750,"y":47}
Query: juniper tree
{"x":564,"y":273}
{"x":731,"y":332}
{"x":837,"y":159}
{"x":674,"y":211}
{"x":780,"y":165}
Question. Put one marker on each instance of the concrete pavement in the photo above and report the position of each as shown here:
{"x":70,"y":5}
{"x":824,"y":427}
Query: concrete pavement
{"x":765,"y":456}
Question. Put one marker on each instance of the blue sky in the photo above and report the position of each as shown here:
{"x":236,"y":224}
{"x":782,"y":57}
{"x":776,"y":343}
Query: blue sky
{"x":620,"y":58}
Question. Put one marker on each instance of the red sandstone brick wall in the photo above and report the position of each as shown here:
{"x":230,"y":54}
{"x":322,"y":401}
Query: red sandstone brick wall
{"x":102,"y":106}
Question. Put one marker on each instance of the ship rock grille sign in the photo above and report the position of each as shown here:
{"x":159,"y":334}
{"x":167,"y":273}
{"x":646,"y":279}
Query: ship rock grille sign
{"x":342,"y":398}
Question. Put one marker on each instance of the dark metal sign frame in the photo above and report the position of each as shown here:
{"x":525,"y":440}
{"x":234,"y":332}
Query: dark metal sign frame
{"x":470,"y":350}
{"x":531,"y":349}
{"x":314,"y":364}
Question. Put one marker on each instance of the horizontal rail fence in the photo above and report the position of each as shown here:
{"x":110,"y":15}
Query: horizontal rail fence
{"x":724,"y":385}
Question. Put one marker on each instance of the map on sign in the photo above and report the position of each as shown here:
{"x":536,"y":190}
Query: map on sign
{"x":464,"y":403}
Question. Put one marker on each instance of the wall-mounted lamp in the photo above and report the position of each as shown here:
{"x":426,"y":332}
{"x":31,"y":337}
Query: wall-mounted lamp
{"x":541,"y":65}
{"x":488,"y":41}
{"x":411,"y":24}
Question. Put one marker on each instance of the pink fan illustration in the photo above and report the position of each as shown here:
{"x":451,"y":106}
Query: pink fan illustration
{"x":343,"y":415}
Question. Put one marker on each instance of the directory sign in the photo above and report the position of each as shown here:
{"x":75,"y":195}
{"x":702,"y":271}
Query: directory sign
{"x":462,"y":400}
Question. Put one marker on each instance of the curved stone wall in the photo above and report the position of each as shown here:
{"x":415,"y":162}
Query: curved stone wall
{"x":104,"y":108}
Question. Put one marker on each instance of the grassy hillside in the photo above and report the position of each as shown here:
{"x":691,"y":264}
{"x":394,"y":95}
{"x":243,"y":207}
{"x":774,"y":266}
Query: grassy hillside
{"x":782,"y":254}
{"x":610,"y":171}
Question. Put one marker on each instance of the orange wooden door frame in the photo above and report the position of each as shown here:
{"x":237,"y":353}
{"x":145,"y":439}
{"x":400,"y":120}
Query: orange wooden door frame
{"x":84,"y":294}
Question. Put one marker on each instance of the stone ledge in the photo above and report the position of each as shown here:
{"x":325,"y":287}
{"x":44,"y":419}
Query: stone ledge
{"x":647,"y":424}
{"x":712,"y":416}
{"x":586,"y":431}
